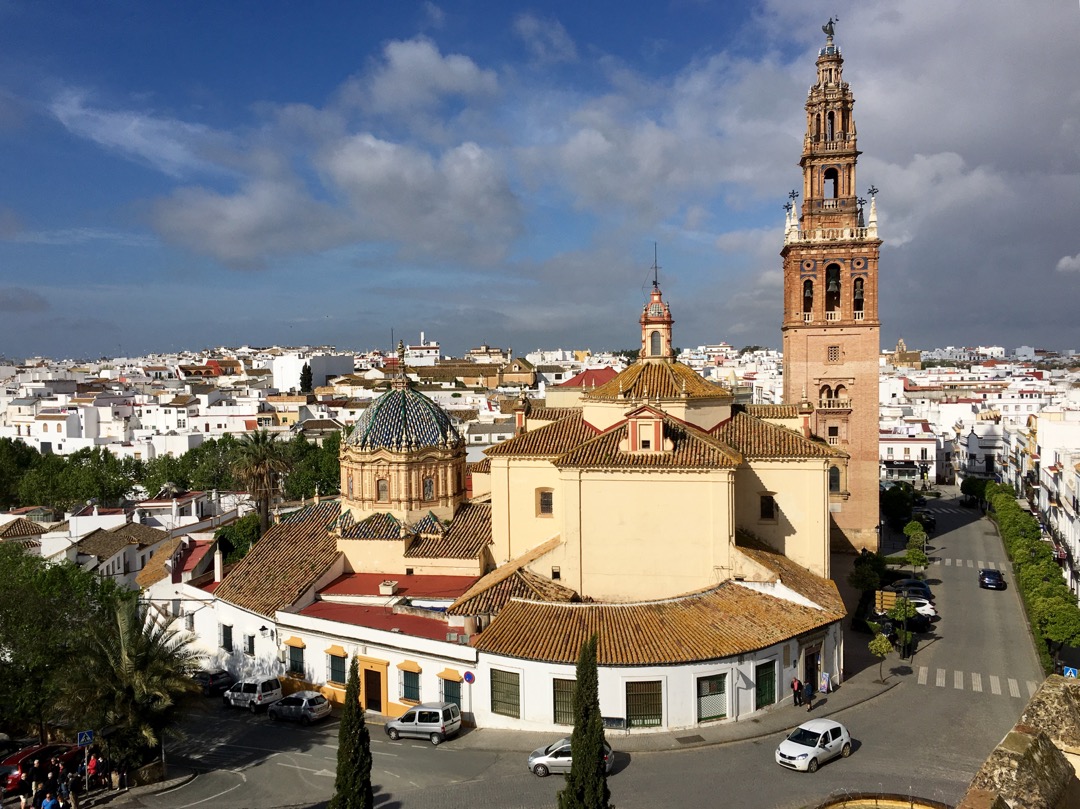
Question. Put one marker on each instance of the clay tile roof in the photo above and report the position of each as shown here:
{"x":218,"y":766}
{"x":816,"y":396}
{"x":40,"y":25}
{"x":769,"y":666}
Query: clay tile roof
{"x":519,"y":584}
{"x":504,"y":572}
{"x":378,"y":526}
{"x":771,"y":411}
{"x":726,"y":620}
{"x":154,"y":570}
{"x":468,"y":535}
{"x":658,"y":380}
{"x":692,"y":449}
{"x":481,"y":467}
{"x":102,"y":544}
{"x":552,"y":413}
{"x":760,"y":439}
{"x":138,"y":534}
{"x":19,"y":528}
{"x":819,"y":590}
{"x":287,"y":560}
{"x":590,"y":378}
{"x":547,"y":441}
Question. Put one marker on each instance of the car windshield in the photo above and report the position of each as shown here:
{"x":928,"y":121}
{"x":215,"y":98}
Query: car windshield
{"x":551,"y":748}
{"x":807,"y":738}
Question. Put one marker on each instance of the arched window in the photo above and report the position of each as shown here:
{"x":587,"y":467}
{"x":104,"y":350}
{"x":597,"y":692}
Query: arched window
{"x":808,"y":295}
{"x":830,"y":132}
{"x":382,"y":489}
{"x":834,"y":478}
{"x":655,"y":341}
{"x":841,"y":392}
{"x":429,"y":489}
{"x":825,"y":392}
{"x":832,"y":184}
{"x":832,"y":287}
{"x":858,"y":294}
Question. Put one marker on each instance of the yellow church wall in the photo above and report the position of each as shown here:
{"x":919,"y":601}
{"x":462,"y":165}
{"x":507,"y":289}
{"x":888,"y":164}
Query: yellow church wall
{"x":373,"y":555}
{"x":703,"y":416}
{"x":563,"y":397}
{"x":800,"y":529}
{"x":647,"y":535}
{"x":516,"y":524}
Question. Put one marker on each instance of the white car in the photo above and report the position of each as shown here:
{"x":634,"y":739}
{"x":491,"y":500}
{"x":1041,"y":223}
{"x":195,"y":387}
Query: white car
{"x":813,"y":743}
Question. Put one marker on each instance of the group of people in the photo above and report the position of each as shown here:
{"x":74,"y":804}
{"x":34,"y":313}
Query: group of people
{"x":803,"y":693}
{"x":54,"y":784}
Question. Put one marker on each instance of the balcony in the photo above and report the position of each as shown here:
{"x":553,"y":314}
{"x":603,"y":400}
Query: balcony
{"x":834,"y":404}
{"x":832,"y":316}
{"x":860,"y":315}
{"x":807,"y":317}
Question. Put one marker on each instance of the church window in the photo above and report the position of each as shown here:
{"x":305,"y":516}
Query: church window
{"x":768,"y":507}
{"x":545,"y":502}
{"x":646,"y":443}
{"x":654,"y":344}
{"x":832,"y":184}
{"x":556,"y":573}
{"x":832,"y":354}
{"x":429,"y":489}
{"x":832,"y":287}
{"x":808,"y":296}
{"x":831,"y":132}
{"x":382,"y":489}
{"x":350,"y":485}
{"x":834,"y":479}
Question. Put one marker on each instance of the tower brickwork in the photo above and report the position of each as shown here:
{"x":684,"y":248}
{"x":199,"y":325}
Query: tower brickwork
{"x":831,"y":327}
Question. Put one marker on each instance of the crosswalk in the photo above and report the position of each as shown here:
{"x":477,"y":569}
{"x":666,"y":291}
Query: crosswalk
{"x":952,"y":510}
{"x":974,"y":564}
{"x":973,"y":681}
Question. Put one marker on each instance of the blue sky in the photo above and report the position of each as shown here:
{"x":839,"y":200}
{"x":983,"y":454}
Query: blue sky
{"x":188,"y":175}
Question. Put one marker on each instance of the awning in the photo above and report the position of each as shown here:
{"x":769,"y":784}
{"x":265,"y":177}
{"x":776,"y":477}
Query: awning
{"x":295,"y":642}
{"x":336,"y":651}
{"x":410,"y":665}
{"x":451,"y":675}
{"x":899,"y":464}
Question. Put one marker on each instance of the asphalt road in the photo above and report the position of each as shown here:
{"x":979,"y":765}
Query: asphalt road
{"x":965,"y":687}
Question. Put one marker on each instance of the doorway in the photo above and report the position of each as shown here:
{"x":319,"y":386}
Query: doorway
{"x":812,"y":667}
{"x":373,"y":691}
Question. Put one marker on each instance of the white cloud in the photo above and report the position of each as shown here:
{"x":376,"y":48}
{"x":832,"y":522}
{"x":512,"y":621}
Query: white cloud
{"x":415,"y":75}
{"x":169,"y":145}
{"x":1069,"y":263}
{"x":546,"y":40}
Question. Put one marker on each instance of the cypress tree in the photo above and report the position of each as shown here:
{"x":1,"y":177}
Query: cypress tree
{"x":586,"y":784}
{"x":352,"y":786}
{"x":305,"y":378}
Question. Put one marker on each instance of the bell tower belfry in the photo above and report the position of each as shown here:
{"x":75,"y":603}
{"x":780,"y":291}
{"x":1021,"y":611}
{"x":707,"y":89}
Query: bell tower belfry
{"x":831,"y":327}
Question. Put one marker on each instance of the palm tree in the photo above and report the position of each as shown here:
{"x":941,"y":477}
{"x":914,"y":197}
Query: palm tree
{"x":259,"y":460}
{"x":132,"y":674}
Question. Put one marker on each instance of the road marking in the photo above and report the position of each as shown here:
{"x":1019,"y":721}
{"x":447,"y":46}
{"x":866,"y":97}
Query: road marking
{"x":948,"y":563}
{"x":970,"y":563}
{"x":1014,"y":688}
{"x":923,"y":671}
{"x":381,"y":753}
{"x":981,"y":565}
{"x":1032,"y":688}
{"x":306,"y":769}
{"x":940,"y":681}
{"x":995,"y":685}
{"x":958,"y":680}
{"x":976,"y":681}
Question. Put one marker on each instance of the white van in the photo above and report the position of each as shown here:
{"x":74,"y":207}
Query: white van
{"x":253,"y":694}
{"x":433,"y":721}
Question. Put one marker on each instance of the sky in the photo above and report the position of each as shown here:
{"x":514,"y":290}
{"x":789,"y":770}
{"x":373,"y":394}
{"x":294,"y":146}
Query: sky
{"x":190,"y":175}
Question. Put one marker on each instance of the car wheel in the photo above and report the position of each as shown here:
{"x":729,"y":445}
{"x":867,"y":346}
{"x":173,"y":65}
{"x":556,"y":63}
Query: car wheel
{"x":253,"y":707}
{"x":393,"y":734}
{"x":272,"y":715}
{"x":812,"y":766}
{"x":435,"y":738}
{"x":846,"y":750}
{"x":540,"y":770}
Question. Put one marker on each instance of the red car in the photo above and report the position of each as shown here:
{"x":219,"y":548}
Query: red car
{"x":12,"y":767}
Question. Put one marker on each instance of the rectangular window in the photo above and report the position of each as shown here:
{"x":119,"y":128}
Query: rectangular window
{"x":833,"y":354}
{"x":382,"y":490}
{"x":768,"y":507}
{"x":249,"y":645}
{"x":562,"y":700}
{"x":644,"y":704}
{"x":889,"y":451}
{"x":296,"y":660}
{"x":547,"y":502}
{"x":765,"y":684}
{"x":451,"y":691}
{"x":189,"y":622}
{"x":506,"y":693}
{"x":712,"y":697}
{"x":226,"y":637}
{"x":335,"y":669}
{"x":410,"y":685}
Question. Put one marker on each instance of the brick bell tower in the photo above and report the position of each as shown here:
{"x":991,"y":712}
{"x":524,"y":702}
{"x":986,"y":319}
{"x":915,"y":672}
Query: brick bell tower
{"x":831,"y":327}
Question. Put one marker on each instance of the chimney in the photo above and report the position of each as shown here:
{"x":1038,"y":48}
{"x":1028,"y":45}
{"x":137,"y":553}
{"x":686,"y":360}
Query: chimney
{"x":219,"y":564}
{"x":388,"y":588}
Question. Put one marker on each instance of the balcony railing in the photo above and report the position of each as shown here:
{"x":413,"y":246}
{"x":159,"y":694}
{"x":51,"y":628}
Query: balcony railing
{"x":859,"y":314}
{"x":834,"y":404}
{"x":832,"y":316}
{"x":807,"y":317}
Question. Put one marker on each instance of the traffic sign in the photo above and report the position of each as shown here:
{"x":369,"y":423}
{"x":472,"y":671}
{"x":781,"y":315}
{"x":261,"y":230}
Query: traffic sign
{"x":1069,"y":671}
{"x":84,"y":738}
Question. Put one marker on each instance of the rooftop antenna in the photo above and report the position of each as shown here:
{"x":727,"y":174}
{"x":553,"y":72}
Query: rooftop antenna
{"x":655,"y":268}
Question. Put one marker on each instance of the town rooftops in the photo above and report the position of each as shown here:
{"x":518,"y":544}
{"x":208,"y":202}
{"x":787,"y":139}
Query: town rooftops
{"x":411,"y":586}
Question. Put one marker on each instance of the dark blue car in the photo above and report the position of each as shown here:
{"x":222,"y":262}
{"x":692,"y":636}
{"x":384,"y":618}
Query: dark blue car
{"x":991,"y":580}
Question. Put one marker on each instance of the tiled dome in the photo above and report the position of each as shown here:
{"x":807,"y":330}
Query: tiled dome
{"x":404,"y":419}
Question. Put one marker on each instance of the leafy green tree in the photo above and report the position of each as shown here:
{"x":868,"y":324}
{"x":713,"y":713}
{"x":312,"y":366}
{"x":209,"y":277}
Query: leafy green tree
{"x":916,"y":557}
{"x":133,"y":672}
{"x":1058,"y":617}
{"x":974,"y":487}
{"x":586,"y":783}
{"x":896,"y":503}
{"x":259,"y":462}
{"x":164,"y":470}
{"x":237,"y":538}
{"x":305,"y":379}
{"x":914,"y":528}
{"x":352,"y":784}
{"x":211,"y":464}
{"x":901,"y":612}
{"x":44,"y":483}
{"x":863,"y":578}
{"x":16,"y":459}
{"x":313,"y":467}
{"x":880,"y":647}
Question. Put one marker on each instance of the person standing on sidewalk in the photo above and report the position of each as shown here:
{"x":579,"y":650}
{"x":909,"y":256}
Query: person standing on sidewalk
{"x":796,"y":690}
{"x":808,"y":695}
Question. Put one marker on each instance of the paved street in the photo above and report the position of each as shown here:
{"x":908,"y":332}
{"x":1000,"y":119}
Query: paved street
{"x":925,"y":735}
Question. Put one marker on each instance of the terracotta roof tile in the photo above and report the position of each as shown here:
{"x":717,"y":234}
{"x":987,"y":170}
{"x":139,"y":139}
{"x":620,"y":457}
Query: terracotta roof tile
{"x":287,"y":560}
{"x":550,"y":414}
{"x":466,"y":538}
{"x":771,"y":411}
{"x":819,"y":590}
{"x":481,"y":467}
{"x":154,"y":570}
{"x":727,"y":620}
{"x":659,"y":380}
{"x":547,"y":441}
{"x":761,"y":439}
{"x":138,"y":534}
{"x":691,"y":449}
{"x":21,"y":527}
{"x":102,"y":544}
{"x":504,"y":572}
{"x":520,"y":583}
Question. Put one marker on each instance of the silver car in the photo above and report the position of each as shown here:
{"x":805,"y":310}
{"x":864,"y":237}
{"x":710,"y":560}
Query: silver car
{"x":304,"y":707}
{"x":556,"y":758}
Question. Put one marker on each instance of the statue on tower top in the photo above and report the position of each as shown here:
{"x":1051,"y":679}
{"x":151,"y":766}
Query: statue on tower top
{"x":829,"y":28}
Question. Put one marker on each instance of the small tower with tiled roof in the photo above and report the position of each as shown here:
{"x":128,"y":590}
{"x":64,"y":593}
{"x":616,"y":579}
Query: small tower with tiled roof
{"x":656,"y":325}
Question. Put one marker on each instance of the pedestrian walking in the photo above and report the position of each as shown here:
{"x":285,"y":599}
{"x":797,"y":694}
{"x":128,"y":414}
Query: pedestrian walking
{"x":808,"y":695}
{"x":25,"y":790}
{"x":796,"y":690}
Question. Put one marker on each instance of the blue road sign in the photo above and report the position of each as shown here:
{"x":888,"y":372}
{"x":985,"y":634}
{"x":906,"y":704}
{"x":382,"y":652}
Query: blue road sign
{"x":1069,"y":671}
{"x":84,"y":738}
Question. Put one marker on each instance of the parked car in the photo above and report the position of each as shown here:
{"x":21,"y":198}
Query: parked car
{"x":923,"y":606}
{"x":12,"y":767}
{"x":253,"y":694}
{"x":910,"y":587}
{"x":556,"y":758}
{"x":910,"y":593}
{"x":925,"y":518}
{"x":813,"y":743}
{"x":213,"y":682}
{"x":991,"y":580}
{"x":434,"y":721}
{"x":304,"y":707}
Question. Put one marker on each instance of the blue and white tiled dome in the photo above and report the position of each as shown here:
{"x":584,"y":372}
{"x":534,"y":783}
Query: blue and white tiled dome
{"x":404,"y":419}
